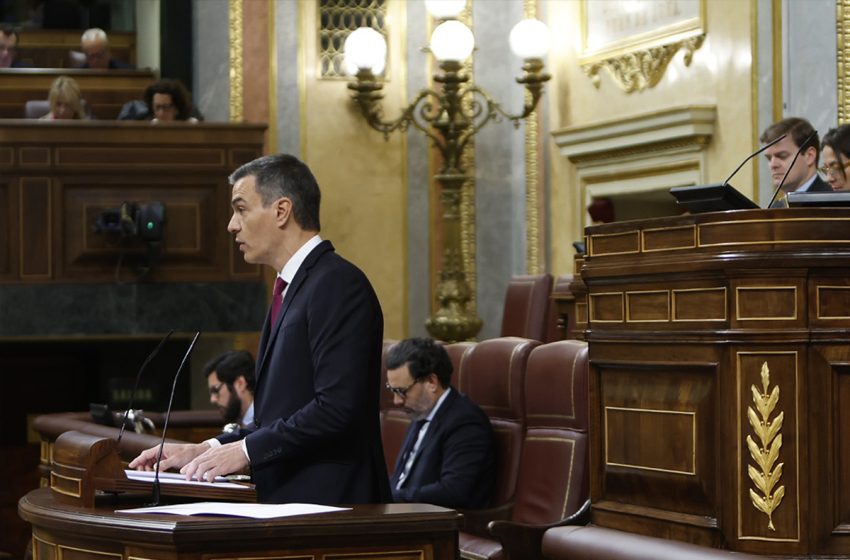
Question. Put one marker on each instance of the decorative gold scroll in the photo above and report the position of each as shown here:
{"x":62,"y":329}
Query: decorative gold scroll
{"x":766,"y":473}
{"x":639,"y":46}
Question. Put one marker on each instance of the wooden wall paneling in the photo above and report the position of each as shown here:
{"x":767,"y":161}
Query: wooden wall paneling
{"x":36,"y":224}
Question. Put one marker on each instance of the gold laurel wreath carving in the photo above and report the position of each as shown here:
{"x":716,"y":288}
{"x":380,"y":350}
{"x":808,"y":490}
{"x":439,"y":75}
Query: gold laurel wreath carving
{"x":765,"y":454}
{"x":638,"y":70}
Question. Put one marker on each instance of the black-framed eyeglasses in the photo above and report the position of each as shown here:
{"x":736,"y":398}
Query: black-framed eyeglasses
{"x":402,"y":391}
{"x":216,"y":388}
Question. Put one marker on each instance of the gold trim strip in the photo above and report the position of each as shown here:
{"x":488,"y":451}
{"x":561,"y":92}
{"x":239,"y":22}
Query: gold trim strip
{"x":817,"y":302}
{"x":591,"y":308}
{"x":725,"y":305}
{"x":235,"y":20}
{"x":532,"y":175}
{"x":778,"y":94}
{"x":628,"y":310}
{"x":739,"y":289}
{"x":77,"y":481}
{"x":692,"y":414}
{"x":63,"y":548}
{"x":272,"y":41}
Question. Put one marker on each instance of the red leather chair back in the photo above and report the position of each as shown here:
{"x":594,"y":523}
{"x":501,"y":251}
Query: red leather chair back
{"x":554,"y":467}
{"x":492,"y":376}
{"x":526,"y":307}
{"x":458,"y":352}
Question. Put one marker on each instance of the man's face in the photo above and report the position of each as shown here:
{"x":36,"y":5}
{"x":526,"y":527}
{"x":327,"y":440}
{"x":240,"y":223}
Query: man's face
{"x":253,"y":224}
{"x":418,"y":398}
{"x":163,"y":107}
{"x":779,"y":157}
{"x":222,"y":396}
{"x":8,"y":49}
{"x":97,"y":54}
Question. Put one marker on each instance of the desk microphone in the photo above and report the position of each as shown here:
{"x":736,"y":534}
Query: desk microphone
{"x":752,"y":155}
{"x":148,"y":360}
{"x":793,"y":161}
{"x":155,"y":492}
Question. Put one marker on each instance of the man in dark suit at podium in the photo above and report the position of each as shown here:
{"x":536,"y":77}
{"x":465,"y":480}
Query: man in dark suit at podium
{"x":317,"y":434}
{"x":803,"y":176}
{"x":449,"y":455}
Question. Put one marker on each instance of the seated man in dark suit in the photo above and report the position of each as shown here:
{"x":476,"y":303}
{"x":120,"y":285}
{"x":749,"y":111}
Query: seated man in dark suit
{"x":449,"y":454}
{"x":9,"y":47}
{"x":800,"y":136}
{"x":95,"y":44}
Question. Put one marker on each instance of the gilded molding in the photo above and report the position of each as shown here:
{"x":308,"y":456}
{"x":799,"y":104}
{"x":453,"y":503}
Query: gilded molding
{"x":467,"y":195}
{"x":534,"y":263}
{"x":842,"y":23}
{"x":236,"y":49}
{"x":766,"y":452}
{"x":642,"y":69}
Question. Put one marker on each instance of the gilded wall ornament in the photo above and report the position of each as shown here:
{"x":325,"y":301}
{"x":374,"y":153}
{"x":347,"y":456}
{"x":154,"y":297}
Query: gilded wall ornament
{"x":636,"y":71}
{"x":766,"y":473}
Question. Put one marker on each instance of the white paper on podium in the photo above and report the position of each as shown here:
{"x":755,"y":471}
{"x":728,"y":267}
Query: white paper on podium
{"x":257,"y":511}
{"x":177,"y":478}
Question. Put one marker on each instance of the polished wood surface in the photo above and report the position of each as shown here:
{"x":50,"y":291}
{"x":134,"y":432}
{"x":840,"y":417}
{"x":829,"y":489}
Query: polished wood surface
{"x":50,"y":48}
{"x":105,"y":91}
{"x":720,"y":378}
{"x":388,"y":531}
{"x":57,"y":177}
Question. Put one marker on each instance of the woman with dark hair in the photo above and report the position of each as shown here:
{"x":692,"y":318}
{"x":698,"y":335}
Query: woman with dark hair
{"x":835,"y":151}
{"x":169,"y":101}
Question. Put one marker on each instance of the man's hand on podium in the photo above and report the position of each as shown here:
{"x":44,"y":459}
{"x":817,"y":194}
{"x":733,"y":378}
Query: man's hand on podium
{"x":174,"y":456}
{"x":226,"y":459}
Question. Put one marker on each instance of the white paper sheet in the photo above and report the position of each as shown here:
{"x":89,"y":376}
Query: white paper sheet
{"x":177,"y":478}
{"x":256,"y":511}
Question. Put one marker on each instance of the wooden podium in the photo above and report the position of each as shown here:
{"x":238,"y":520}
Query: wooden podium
{"x":720,"y":378}
{"x":79,"y":517}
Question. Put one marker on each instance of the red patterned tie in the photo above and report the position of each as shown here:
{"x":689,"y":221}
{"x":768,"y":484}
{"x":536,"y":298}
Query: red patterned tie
{"x":277,"y":297}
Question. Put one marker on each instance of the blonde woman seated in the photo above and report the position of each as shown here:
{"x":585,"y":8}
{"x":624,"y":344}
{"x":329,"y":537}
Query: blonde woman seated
{"x":65,"y":100}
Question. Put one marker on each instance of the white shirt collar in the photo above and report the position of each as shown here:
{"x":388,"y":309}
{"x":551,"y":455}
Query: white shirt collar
{"x":437,"y":406}
{"x":248,"y":418}
{"x":805,"y":186}
{"x":294,"y":263}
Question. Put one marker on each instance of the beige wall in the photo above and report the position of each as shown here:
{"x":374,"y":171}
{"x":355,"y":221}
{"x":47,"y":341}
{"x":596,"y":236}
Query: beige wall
{"x":363,"y":177}
{"x":720,"y":75}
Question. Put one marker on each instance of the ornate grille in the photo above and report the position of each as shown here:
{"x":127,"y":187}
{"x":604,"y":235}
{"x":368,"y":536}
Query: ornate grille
{"x":338,"y":18}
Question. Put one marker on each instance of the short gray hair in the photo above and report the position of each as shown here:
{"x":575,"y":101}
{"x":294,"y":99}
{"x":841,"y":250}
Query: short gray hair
{"x":94,"y":34}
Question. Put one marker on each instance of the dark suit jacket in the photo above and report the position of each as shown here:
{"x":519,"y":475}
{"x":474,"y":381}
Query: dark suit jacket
{"x":819,"y":185}
{"x":318,"y":436}
{"x":456,"y":463}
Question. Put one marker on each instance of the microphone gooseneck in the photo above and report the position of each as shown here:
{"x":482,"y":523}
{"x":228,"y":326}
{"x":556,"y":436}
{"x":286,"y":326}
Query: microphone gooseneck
{"x":793,"y":161}
{"x":148,"y":360}
{"x":752,"y":155}
{"x":155,"y":493}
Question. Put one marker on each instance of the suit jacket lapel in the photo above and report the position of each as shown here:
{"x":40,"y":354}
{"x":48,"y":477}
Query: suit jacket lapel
{"x":270,"y":331}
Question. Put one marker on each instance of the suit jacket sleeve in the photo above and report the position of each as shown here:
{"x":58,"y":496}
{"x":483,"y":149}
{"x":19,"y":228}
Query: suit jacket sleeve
{"x":465,"y":449}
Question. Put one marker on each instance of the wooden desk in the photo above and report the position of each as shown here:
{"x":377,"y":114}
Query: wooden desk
{"x":106,"y":91}
{"x":389,"y":532}
{"x":692,"y":321}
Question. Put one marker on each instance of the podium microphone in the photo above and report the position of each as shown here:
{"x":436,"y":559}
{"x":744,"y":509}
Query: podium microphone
{"x":148,"y":360}
{"x":793,"y":161}
{"x":155,"y":492}
{"x":754,"y":154}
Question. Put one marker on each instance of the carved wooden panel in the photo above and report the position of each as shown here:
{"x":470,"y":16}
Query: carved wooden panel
{"x":607,"y":307}
{"x":6,"y":221}
{"x":666,"y":239}
{"x":699,"y":304}
{"x":614,"y":244}
{"x":766,"y":303}
{"x":648,"y":306}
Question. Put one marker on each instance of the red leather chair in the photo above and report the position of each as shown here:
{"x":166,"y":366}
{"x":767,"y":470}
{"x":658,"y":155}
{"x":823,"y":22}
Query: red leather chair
{"x":553,"y":481}
{"x":493,"y":377}
{"x":525,"y":313}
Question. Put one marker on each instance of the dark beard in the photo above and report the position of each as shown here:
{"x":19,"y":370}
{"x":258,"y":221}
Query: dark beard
{"x":233,"y":411}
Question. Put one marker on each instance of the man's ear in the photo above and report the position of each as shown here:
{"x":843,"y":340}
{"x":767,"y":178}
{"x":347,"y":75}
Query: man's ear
{"x":239,"y":384}
{"x":283,"y":211}
{"x":811,"y":155}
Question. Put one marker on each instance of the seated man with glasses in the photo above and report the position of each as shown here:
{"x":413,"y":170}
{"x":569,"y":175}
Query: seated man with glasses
{"x":449,"y":453}
{"x":803,"y":176}
{"x":230,"y":379}
{"x":95,"y":45}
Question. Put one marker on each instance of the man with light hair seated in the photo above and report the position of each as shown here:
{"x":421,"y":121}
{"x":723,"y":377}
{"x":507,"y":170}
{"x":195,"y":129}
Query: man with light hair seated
{"x":95,"y":45}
